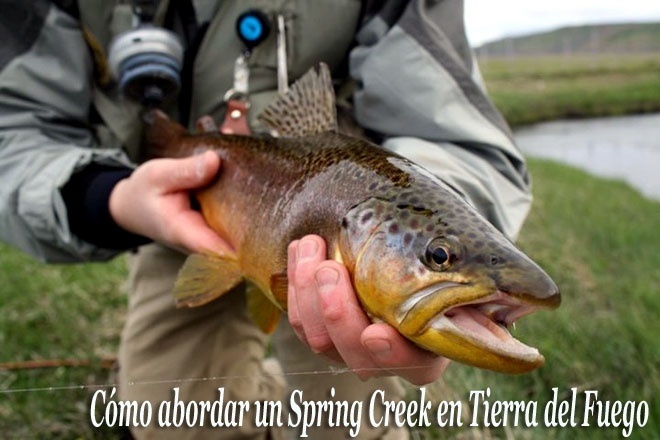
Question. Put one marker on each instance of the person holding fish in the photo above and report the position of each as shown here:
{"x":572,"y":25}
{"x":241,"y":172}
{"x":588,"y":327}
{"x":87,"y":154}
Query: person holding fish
{"x":376,"y":275}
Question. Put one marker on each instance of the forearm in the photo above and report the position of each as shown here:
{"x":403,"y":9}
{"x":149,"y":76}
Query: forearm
{"x":46,"y":139}
{"x":46,"y":216}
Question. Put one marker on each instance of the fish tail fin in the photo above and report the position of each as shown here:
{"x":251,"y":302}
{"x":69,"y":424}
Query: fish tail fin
{"x":162,"y":135}
{"x":307,"y":108}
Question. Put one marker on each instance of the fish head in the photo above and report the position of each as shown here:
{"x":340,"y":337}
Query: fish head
{"x":447,"y":280}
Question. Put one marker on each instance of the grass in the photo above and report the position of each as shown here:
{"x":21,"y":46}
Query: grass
{"x":601,"y":244}
{"x":533,"y":89}
{"x":55,"y":312}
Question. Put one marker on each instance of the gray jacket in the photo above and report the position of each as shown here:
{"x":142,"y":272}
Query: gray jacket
{"x":417,"y":86}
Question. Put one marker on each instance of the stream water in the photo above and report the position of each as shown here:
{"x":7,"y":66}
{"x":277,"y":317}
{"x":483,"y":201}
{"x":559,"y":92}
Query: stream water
{"x":626,"y":148}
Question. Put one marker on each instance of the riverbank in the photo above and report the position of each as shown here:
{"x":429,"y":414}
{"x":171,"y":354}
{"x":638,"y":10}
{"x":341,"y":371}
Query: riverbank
{"x":534,"y":89}
{"x":600,"y":244}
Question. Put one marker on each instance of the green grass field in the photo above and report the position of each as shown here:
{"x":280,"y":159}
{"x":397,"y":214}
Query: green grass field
{"x":533,"y":89}
{"x":601,"y":244}
{"x":55,"y":312}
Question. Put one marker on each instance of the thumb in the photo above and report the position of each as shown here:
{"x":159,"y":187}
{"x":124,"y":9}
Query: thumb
{"x":207,"y":165}
{"x":191,"y":172}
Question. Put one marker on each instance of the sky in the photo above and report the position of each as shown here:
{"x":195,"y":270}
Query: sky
{"x":488,"y":20}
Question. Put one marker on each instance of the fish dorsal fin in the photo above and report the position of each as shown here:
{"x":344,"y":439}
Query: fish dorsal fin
{"x":162,"y":135}
{"x":307,"y":108}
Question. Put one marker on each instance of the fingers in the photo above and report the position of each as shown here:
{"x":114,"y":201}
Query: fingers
{"x":173,"y":175}
{"x":343,"y":317}
{"x":391,"y":351}
{"x":305,"y":313}
{"x":155,"y":202}
{"x":193,"y":234}
{"x":326,"y":315}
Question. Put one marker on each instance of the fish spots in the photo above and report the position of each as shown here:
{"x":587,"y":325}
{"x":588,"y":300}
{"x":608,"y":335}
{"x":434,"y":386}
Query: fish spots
{"x":366,"y":217}
{"x":393,"y":228}
{"x":407,"y":239}
{"x":442,"y":223}
{"x":415,"y":209}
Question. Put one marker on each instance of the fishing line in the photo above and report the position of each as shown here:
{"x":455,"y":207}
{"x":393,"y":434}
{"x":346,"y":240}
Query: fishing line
{"x":331,"y":370}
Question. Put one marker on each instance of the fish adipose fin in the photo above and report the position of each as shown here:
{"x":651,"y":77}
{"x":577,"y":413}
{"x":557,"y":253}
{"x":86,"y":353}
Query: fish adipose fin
{"x":262,"y":310}
{"x":205,"y":277}
{"x":307,"y":108}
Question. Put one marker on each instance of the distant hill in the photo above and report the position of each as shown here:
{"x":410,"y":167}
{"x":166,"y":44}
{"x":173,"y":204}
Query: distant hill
{"x":606,"y":38}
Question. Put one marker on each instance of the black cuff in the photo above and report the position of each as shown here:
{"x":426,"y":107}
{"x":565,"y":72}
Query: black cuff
{"x":86,"y":196}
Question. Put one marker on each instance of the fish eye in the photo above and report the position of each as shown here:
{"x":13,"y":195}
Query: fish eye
{"x":438,"y":255}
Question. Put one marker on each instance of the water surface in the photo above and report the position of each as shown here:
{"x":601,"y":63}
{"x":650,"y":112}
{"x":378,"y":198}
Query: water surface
{"x":626,"y":148}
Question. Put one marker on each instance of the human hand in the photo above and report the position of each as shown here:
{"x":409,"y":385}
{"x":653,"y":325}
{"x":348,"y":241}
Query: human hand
{"x":154,"y":201}
{"x":326,"y":315}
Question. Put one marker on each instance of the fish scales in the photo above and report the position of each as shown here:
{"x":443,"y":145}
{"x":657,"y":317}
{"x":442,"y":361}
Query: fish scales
{"x":271,"y":184}
{"x":420,"y":257}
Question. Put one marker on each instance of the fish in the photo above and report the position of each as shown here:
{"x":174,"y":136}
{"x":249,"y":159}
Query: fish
{"x":421,"y":259}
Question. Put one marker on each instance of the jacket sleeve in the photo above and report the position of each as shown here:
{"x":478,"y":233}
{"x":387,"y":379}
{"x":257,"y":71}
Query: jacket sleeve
{"x":419,"y":87}
{"x":45,"y":135}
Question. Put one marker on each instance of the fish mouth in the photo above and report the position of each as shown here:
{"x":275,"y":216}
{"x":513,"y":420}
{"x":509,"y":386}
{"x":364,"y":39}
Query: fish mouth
{"x":486,"y":323}
{"x":474,"y":331}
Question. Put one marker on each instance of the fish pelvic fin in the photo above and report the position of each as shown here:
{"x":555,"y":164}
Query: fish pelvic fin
{"x":205,"y":277}
{"x":307,"y":108}
{"x":262,"y":310}
{"x":162,"y":134}
{"x":279,"y":287}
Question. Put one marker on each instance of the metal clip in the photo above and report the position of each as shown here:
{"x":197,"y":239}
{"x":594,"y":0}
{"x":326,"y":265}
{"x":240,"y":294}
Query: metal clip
{"x":282,"y":73}
{"x":235,"y":121}
{"x":239,"y":89}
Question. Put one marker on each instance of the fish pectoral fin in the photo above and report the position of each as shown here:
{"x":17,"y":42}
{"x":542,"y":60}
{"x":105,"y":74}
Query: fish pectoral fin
{"x":307,"y":108}
{"x":262,"y":310}
{"x":279,"y":286}
{"x":205,"y":277}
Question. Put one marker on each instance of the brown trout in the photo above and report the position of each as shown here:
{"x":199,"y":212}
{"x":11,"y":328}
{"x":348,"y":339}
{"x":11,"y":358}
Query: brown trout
{"x":421,"y":259}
